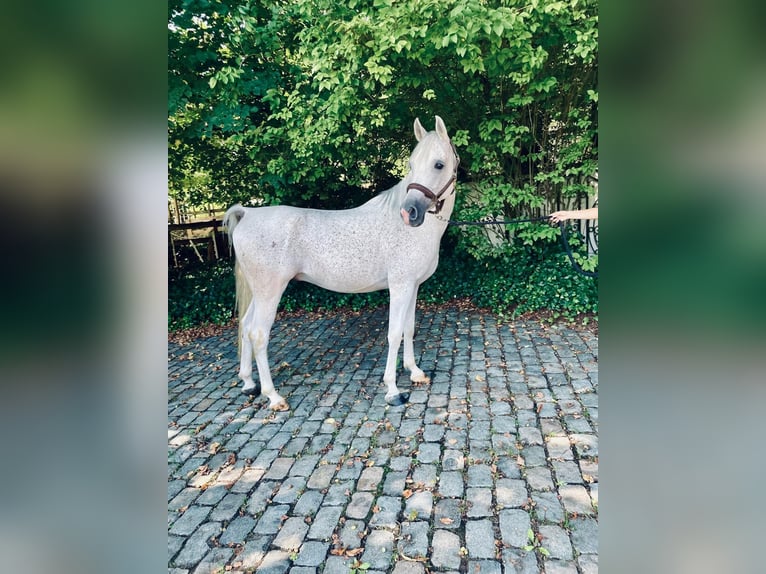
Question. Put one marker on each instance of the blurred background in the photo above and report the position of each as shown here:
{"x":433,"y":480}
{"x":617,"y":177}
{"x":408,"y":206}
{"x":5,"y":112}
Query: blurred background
{"x":83,"y":179}
{"x":682,"y":116}
{"x":83,"y":302}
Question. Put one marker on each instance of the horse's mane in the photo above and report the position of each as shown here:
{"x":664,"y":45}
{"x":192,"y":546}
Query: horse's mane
{"x":390,"y":199}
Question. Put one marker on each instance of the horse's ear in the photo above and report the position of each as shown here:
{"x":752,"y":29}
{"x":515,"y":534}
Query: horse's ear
{"x":420,"y":131}
{"x":441,"y":129}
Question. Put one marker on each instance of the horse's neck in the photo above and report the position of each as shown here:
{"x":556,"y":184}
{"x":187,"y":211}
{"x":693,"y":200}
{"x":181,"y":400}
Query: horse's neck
{"x":390,"y":199}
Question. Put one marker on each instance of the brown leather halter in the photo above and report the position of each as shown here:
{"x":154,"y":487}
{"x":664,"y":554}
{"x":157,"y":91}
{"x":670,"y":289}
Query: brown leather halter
{"x":435,"y":197}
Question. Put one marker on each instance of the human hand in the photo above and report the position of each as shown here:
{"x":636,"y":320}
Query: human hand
{"x":558,"y":216}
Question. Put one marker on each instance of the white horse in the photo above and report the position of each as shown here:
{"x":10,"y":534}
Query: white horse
{"x":391,"y":242}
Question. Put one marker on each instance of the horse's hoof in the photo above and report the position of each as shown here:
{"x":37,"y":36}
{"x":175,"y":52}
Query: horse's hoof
{"x":283,"y":406}
{"x":423,"y":379}
{"x":252,"y":391}
{"x":398,"y":400}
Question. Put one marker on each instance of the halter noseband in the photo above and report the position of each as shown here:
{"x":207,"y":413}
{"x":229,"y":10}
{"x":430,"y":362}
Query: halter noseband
{"x":435,"y":197}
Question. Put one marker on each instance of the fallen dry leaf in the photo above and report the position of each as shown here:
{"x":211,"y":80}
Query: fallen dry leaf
{"x":354,"y":552}
{"x":446,"y":520}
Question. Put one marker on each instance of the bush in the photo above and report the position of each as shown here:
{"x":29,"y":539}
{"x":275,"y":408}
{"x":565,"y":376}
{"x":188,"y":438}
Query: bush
{"x":518,"y":279}
{"x":199,"y":294}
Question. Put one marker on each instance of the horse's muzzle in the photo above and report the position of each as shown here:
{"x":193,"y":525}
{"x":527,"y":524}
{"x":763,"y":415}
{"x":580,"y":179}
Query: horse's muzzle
{"x":412,"y":216}
{"x":413,"y":211}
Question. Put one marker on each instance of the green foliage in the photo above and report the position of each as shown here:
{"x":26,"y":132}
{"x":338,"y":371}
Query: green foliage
{"x":201,"y":294}
{"x":311,"y":103}
{"x":514,"y":280}
{"x":534,"y":544}
{"x":308,"y":297}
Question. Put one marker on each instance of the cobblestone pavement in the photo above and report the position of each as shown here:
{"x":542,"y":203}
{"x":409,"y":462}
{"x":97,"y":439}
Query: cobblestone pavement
{"x":501,"y":442}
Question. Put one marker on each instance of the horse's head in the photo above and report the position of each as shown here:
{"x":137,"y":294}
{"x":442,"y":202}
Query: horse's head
{"x":433,"y":172}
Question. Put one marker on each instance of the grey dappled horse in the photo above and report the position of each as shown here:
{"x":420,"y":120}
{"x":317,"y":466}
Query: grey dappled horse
{"x":391,"y":242}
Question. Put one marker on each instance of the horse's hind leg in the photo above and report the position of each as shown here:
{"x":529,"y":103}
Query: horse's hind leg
{"x":416,"y":374}
{"x":246,"y":354}
{"x":264,"y":312}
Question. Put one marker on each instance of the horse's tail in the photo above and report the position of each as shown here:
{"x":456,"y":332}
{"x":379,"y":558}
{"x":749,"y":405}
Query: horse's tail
{"x":244,"y":295}
{"x":231,"y":218}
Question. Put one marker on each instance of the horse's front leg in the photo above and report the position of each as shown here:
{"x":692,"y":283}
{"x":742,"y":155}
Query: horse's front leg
{"x":416,"y":374}
{"x":397,"y":316}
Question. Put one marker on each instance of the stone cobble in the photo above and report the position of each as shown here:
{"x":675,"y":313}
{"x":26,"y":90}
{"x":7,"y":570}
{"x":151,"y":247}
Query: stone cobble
{"x":497,"y":455}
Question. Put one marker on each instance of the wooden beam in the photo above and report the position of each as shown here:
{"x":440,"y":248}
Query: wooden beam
{"x":214,"y":223}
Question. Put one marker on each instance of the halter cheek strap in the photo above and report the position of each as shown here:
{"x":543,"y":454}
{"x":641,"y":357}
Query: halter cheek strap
{"x":427,"y":192}
{"x":435,"y":198}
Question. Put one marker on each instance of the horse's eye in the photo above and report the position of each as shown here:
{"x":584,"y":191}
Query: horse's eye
{"x":438,"y":165}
